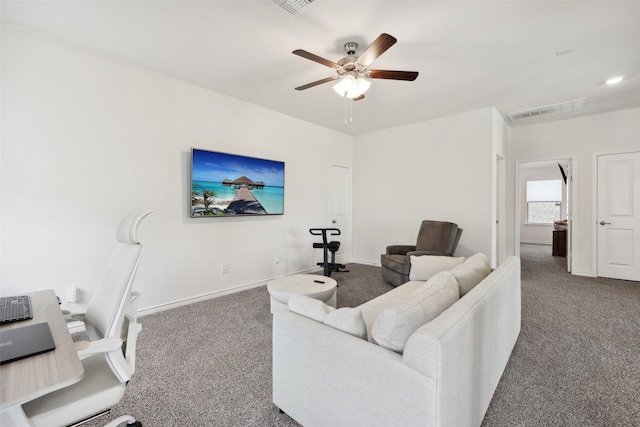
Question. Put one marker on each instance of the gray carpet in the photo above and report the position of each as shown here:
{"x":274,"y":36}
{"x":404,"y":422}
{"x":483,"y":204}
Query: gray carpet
{"x":576,"y":362}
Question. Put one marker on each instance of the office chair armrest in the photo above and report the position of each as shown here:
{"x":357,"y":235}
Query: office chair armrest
{"x":400,"y":249}
{"x":104,"y":345}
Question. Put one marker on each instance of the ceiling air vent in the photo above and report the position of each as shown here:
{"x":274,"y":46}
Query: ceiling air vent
{"x":294,"y":7}
{"x":563,"y":107}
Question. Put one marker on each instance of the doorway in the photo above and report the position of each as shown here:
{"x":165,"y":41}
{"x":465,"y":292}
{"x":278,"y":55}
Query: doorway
{"x":499,"y":233}
{"x":545,"y":217}
{"x":341,"y":210}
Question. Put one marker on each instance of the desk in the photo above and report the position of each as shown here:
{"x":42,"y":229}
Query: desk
{"x":27,"y":379}
{"x":559,"y":243}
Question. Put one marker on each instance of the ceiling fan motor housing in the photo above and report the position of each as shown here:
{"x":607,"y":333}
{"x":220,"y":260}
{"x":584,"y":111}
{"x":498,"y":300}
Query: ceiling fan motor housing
{"x":351,"y":48}
{"x":348,"y":64}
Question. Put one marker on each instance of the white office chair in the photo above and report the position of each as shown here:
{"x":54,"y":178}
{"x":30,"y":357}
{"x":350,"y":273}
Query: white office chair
{"x":108,"y":357}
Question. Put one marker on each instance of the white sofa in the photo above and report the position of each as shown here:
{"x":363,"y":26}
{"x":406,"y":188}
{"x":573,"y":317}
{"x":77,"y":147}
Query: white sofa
{"x":446,"y":375}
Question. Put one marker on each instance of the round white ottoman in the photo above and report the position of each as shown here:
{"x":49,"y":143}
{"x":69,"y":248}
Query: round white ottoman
{"x":311,"y":285}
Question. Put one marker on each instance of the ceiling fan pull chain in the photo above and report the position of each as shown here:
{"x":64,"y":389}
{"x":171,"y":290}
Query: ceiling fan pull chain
{"x":345,"y":108}
{"x":348,"y":110}
{"x":350,"y":101}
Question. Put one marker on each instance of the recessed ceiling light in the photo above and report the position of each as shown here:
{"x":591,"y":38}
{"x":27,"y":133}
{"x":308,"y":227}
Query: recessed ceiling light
{"x":614,"y":80}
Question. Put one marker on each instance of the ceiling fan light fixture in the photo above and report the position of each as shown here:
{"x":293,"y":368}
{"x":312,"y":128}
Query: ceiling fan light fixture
{"x":351,"y":86}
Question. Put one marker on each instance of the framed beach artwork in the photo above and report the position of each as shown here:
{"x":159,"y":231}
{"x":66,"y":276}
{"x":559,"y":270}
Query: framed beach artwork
{"x":225,"y":184}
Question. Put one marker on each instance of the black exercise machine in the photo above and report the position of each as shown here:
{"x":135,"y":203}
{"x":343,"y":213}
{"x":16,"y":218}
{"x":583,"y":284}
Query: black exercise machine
{"x":327,"y":247}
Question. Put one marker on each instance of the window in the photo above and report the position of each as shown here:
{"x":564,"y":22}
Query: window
{"x":544,"y":199}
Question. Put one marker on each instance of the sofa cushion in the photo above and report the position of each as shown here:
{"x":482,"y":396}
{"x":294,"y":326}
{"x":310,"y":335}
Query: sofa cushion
{"x":395,"y":324}
{"x":348,"y":320}
{"x":469,"y":274}
{"x":479,"y":256}
{"x":309,"y":307}
{"x":425,"y":267}
{"x":395,"y":296}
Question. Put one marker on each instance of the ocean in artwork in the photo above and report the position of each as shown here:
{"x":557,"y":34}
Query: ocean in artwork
{"x":271,"y":198}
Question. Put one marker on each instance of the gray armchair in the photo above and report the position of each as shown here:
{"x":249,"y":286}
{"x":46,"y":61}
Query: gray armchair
{"x":434,"y":238}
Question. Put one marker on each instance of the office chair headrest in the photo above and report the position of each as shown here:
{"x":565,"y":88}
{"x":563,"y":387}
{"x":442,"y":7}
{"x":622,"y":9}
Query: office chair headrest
{"x":128,"y":227}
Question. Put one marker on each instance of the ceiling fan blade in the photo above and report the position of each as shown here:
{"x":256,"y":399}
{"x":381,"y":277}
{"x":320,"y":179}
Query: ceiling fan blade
{"x":393,"y":75}
{"x":316,"y":83}
{"x":377,"y":48}
{"x":315,"y":58}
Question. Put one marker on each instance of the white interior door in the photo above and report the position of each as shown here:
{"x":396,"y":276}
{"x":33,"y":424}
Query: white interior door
{"x":619,"y":216}
{"x":341,"y":209}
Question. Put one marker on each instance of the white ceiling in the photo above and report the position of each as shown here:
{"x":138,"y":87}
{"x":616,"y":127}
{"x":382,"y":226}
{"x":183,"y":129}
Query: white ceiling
{"x":470,"y":55}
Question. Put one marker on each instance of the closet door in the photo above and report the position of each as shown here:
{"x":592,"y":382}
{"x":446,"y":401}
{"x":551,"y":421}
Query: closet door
{"x":618,"y":219}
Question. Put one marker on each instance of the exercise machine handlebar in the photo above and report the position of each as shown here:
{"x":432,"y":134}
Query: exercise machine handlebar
{"x":327,"y":247}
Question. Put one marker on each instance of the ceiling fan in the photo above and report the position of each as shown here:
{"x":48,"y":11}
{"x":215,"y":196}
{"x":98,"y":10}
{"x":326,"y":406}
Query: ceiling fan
{"x":352,"y":70}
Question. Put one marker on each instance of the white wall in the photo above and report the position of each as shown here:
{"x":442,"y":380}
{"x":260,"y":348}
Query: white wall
{"x":440,"y":170}
{"x":579,"y":138}
{"x":86,"y":140}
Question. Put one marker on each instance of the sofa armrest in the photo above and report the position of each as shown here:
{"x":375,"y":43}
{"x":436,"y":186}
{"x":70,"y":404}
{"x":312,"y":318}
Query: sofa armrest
{"x":323,"y":376}
{"x":400,"y":249}
{"x":467,"y":346}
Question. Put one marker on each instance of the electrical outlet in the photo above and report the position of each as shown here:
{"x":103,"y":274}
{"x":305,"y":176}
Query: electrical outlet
{"x":224,"y":268}
{"x":72,"y":295}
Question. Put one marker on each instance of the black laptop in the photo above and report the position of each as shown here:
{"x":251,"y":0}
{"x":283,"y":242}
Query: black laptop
{"x":19,"y":343}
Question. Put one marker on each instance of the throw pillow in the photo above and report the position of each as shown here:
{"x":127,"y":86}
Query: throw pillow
{"x":309,"y":307}
{"x":480,"y":257}
{"x":425,"y":267}
{"x":469,"y":274}
{"x":394,"y":325}
{"x":348,"y":320}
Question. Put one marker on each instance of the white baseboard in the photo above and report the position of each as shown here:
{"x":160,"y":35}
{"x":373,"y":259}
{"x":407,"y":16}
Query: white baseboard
{"x":214,"y":294}
{"x":584,"y":273}
{"x":366,"y":262}
{"x":537,"y":242}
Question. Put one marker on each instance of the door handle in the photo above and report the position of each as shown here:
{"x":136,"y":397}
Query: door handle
{"x":604,"y":223}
